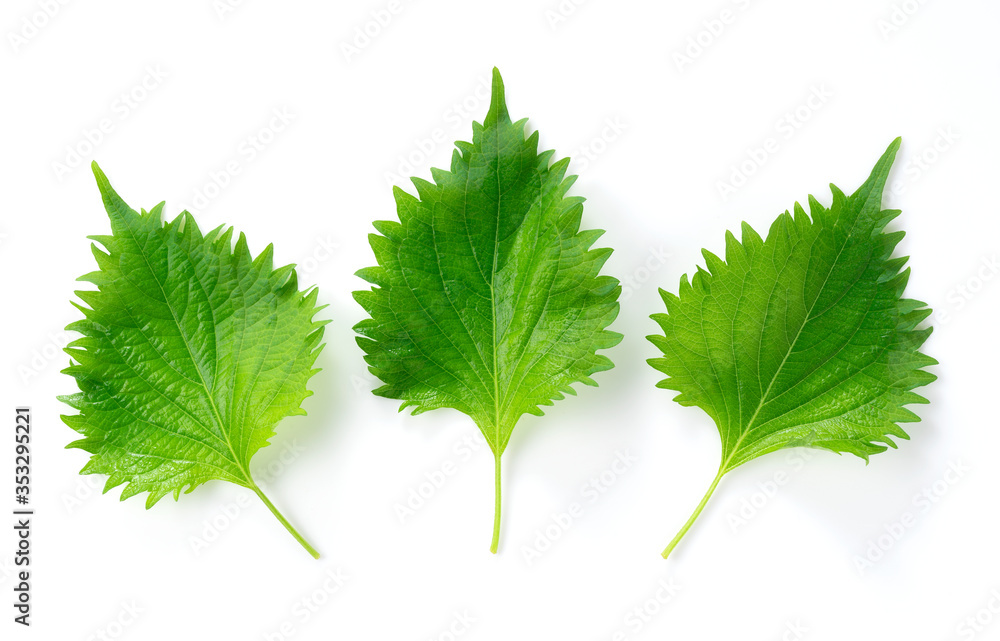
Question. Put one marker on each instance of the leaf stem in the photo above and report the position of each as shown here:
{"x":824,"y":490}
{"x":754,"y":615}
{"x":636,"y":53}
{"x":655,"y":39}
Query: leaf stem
{"x":496,"y":504}
{"x":288,"y":526}
{"x":697,"y":512}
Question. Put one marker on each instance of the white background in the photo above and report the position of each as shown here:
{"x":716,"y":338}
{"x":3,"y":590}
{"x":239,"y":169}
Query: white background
{"x":655,"y":188}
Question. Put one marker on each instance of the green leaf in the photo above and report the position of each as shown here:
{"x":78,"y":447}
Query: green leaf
{"x":192,"y":351}
{"x":488,"y":297}
{"x":802,"y":339}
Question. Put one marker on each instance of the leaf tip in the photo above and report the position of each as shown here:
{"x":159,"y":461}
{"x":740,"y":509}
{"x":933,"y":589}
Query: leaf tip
{"x":498,"y":102}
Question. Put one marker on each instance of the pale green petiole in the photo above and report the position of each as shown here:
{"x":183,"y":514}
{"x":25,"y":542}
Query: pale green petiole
{"x":496,"y":504}
{"x":288,"y":526}
{"x":694,"y":516}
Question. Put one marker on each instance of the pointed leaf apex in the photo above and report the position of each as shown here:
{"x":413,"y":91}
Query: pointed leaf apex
{"x":875,"y":185}
{"x":498,"y":102}
{"x":884,"y":163}
{"x":103,"y":184}
{"x":890,"y":153}
{"x":118,"y":210}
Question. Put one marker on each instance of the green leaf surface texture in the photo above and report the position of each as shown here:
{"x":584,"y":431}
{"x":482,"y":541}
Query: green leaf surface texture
{"x":192,"y":350}
{"x":487,"y":295}
{"x":803,"y":338}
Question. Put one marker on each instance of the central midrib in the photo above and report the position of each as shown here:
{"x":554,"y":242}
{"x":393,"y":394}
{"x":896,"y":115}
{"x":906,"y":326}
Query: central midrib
{"x":791,"y":348}
{"x":493,"y":302}
{"x":187,"y":346}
